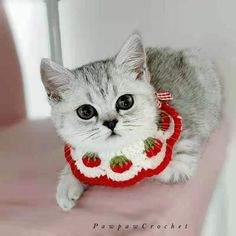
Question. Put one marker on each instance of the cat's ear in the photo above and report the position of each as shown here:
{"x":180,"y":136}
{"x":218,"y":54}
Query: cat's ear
{"x":131,"y":56}
{"x":56,"y":79}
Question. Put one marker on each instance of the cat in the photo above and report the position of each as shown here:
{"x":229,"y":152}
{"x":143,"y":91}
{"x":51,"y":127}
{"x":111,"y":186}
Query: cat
{"x":84,"y":105}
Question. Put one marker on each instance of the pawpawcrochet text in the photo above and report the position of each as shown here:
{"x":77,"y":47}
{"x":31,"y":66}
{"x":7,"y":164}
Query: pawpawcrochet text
{"x":143,"y":226}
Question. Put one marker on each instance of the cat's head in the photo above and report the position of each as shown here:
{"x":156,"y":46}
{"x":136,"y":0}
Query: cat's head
{"x":104,"y":105}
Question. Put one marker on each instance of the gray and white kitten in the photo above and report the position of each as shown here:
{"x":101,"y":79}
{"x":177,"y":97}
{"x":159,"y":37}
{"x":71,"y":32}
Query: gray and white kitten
{"x":99,"y":126}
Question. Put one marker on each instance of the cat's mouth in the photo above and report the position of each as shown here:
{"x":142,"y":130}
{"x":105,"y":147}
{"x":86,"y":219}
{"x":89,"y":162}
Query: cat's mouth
{"x":113,"y":135}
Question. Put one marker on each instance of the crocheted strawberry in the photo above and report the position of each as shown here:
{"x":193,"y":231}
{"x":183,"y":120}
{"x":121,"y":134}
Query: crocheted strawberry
{"x":91,"y":159}
{"x":164,"y":121}
{"x":120,"y":164}
{"x":152,"y":146}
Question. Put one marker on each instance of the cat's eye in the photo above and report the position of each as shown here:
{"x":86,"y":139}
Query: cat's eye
{"x":86,"y":112}
{"x":125,"y":102}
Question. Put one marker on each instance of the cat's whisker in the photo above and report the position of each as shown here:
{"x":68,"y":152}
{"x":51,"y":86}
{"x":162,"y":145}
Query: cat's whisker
{"x":99,"y":136}
{"x":125,"y":130}
{"x":85,"y":132}
{"x":89,"y":136}
{"x":132,"y":125}
{"x":138,"y":119}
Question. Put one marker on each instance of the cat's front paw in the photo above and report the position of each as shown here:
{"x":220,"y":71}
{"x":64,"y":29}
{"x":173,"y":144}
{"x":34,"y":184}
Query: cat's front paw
{"x":68,"y":194}
{"x":180,"y":170}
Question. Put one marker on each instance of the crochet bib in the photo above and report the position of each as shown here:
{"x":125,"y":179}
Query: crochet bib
{"x":133,"y":163}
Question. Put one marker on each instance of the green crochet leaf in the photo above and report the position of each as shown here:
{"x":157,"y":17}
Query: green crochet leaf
{"x":149,"y":143}
{"x":159,"y":120}
{"x":119,"y":160}
{"x":90,"y":155}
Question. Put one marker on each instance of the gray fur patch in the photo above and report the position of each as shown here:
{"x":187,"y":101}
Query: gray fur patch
{"x":173,"y":71}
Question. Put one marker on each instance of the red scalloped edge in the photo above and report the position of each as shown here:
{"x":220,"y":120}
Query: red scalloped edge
{"x":104,"y":180}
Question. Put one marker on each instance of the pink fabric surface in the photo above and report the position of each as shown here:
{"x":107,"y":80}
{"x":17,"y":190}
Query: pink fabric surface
{"x":12,"y":104}
{"x":31,"y":157}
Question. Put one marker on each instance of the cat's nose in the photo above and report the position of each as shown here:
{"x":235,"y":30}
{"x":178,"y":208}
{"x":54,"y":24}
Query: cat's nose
{"x":111,"y":124}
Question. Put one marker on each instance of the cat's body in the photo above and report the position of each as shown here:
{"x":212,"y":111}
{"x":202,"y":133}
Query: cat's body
{"x":190,"y":79}
{"x":195,"y":86}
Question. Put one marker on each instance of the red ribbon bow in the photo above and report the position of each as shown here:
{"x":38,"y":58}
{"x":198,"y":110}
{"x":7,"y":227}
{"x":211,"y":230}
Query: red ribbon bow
{"x":163,"y":96}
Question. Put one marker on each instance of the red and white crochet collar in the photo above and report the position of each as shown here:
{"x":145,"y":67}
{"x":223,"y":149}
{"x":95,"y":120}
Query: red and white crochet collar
{"x":135,"y":162}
